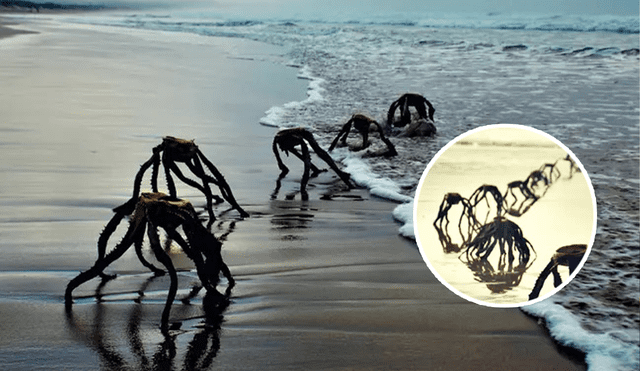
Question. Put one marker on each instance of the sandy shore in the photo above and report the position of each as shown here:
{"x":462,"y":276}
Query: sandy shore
{"x":322,"y":284}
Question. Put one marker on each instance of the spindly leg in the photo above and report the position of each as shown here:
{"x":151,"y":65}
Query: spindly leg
{"x":541,"y":278}
{"x":171,"y":185}
{"x":314,"y":170}
{"x":305,"y":176}
{"x":327,"y":159}
{"x":166,"y":261}
{"x":104,"y":237}
{"x":218,"y":179}
{"x":98,"y":266}
{"x":391,"y":148}
{"x":342,"y":136}
{"x":283,"y":168}
{"x":139,"y":238}
{"x":202,"y":188}
{"x":193,"y":255}
{"x":154,"y":172}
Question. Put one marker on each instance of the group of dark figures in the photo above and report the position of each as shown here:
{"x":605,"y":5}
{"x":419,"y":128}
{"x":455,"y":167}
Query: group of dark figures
{"x":481,"y":233}
{"x":152,"y":211}
{"x":289,"y":140}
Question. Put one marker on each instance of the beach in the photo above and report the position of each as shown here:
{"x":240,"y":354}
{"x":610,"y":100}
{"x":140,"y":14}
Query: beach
{"x":321,"y":284}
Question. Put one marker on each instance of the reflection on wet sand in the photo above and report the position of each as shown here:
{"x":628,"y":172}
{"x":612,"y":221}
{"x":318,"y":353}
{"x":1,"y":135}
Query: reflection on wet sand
{"x":101,"y":337}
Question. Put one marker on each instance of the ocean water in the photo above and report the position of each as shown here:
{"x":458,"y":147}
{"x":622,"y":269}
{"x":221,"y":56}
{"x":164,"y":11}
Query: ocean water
{"x":573,"y":77}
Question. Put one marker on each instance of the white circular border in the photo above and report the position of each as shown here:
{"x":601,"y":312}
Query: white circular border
{"x":415,"y":215}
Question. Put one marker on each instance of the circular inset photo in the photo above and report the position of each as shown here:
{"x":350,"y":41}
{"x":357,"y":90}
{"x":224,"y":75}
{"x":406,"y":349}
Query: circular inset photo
{"x":505,"y":215}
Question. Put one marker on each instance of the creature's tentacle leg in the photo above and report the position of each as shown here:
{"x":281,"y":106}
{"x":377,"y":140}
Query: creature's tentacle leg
{"x":344,"y":132}
{"x":204,"y":188}
{"x":188,"y":181}
{"x":365,"y":139}
{"x":108,"y":230}
{"x":227,"y":273}
{"x":154,"y":172}
{"x":431,"y":109}
{"x":222,"y":184}
{"x":422,"y":112}
{"x":138,"y":180}
{"x":283,"y":168}
{"x":166,"y":163}
{"x":128,"y":206}
{"x":537,"y":287}
{"x":557,"y":280}
{"x":391,"y":113}
{"x":139,"y":238}
{"x":305,"y":175}
{"x":195,"y":256}
{"x":166,"y":261}
{"x":391,"y":149}
{"x":98,"y":266}
{"x":314,"y":169}
{"x":405,"y":113}
{"x":327,"y":158}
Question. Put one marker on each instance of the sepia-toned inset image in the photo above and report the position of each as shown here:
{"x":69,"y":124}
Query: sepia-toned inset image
{"x":505,"y":215}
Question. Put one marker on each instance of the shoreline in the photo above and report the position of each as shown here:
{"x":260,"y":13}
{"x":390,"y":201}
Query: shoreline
{"x":368,"y":294}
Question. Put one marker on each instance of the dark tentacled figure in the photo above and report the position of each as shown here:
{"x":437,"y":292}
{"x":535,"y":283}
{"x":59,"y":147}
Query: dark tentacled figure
{"x":175,"y":150}
{"x":569,"y":256}
{"x":528,"y":198}
{"x":451,"y":199}
{"x":158,"y":210}
{"x":481,"y":194}
{"x":363,"y":124}
{"x":506,"y":235}
{"x":420,"y":103}
{"x":288,"y":139}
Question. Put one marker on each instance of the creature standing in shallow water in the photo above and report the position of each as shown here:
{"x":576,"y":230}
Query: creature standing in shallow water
{"x":288,"y":139}
{"x":363,"y":125}
{"x":417,"y":101}
{"x":569,"y":256}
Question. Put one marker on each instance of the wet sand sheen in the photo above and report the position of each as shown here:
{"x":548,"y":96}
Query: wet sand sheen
{"x":320,"y":284}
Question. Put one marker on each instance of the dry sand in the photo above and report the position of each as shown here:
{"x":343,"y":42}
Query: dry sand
{"x":321,"y":284}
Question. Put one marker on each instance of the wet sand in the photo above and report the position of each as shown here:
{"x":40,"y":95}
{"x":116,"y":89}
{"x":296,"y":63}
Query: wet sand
{"x":321,"y":284}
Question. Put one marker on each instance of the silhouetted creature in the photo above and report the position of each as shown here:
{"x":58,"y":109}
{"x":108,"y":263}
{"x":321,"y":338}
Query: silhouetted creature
{"x":288,"y":139}
{"x":506,"y":235}
{"x":420,"y":103}
{"x":172,"y":151}
{"x":518,"y":207}
{"x":363,"y":124}
{"x":569,"y":256}
{"x":154,"y":210}
{"x":441,"y":223}
{"x":481,"y":194}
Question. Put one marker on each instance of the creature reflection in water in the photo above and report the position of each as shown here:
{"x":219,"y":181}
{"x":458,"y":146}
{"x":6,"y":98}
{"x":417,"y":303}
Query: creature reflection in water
{"x":483,"y":228}
{"x":158,"y":210}
{"x":199,"y":355}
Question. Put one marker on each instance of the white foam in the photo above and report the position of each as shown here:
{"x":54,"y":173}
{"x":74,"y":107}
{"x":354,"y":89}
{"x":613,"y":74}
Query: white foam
{"x":381,"y":187}
{"x":404,"y":214}
{"x":603,"y":352}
